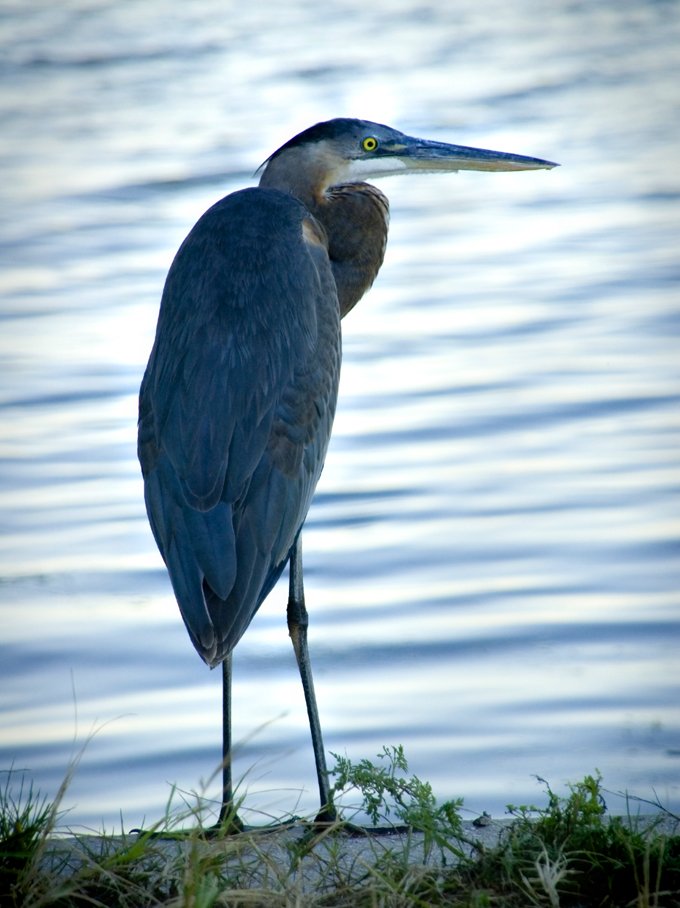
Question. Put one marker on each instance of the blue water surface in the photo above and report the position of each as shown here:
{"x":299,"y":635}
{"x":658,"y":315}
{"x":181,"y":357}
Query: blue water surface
{"x":493,"y":554}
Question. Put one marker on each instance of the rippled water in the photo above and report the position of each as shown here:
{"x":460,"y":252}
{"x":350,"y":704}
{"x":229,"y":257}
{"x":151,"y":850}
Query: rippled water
{"x":493,"y":553}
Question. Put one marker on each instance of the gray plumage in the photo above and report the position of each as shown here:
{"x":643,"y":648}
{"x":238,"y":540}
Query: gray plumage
{"x":236,"y":407}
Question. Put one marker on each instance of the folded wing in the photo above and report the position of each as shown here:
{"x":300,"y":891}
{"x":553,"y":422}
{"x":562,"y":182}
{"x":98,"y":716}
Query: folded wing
{"x":236,"y":406}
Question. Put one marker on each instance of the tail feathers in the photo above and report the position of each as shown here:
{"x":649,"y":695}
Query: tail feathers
{"x":187,"y":582}
{"x":201,"y":561}
{"x":216,"y":600}
{"x":210,"y":538}
{"x":231,"y":616}
{"x":220,"y":573}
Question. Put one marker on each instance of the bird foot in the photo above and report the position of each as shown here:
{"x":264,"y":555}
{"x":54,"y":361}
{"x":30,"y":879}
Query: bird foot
{"x":327,"y":820}
{"x":229,"y":824}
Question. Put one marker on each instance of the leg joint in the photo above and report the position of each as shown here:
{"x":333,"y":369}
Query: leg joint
{"x":297,"y":614}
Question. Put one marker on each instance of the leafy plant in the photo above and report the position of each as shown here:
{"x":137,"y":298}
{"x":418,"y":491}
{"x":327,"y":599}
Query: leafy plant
{"x":575,"y":854}
{"x":386,"y":793}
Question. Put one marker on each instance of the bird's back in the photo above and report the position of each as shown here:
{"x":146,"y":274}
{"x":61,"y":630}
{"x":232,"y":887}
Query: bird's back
{"x":236,"y":406}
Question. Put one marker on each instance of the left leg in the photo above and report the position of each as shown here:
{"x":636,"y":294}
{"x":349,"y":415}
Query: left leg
{"x":297,"y":628}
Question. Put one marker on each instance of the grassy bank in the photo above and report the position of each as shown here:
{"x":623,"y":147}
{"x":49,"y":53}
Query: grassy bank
{"x":568,"y":852}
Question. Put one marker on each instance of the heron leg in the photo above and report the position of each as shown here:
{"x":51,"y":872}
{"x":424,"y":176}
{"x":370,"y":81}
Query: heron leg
{"x":228,"y":816}
{"x":298,"y":622}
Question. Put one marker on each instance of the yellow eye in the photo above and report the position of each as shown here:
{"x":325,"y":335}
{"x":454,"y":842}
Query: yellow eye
{"x":369,"y":143}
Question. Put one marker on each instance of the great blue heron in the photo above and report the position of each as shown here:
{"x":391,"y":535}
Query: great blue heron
{"x":237,"y":402}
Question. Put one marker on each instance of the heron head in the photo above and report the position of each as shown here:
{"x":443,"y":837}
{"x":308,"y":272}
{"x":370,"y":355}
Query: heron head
{"x":343,"y":150}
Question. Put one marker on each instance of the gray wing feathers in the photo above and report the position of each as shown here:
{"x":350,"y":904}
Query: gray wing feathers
{"x":236,"y":408}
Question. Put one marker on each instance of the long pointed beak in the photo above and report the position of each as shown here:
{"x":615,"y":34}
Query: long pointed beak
{"x":425,"y":156}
